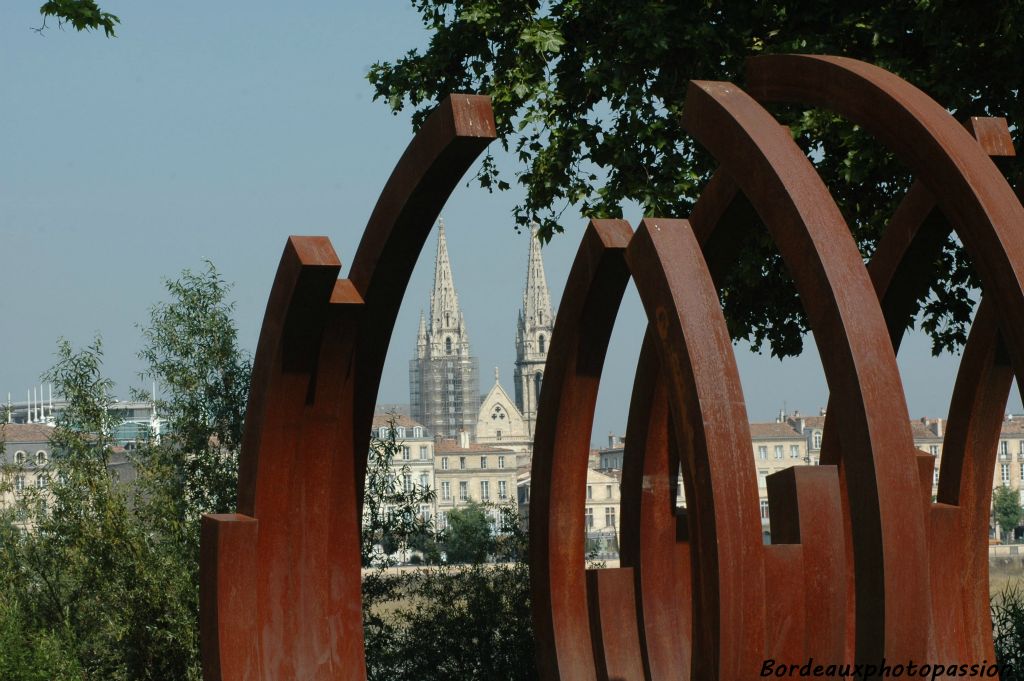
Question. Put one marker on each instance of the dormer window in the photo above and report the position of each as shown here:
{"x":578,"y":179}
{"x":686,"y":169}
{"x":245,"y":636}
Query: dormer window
{"x":19,"y":458}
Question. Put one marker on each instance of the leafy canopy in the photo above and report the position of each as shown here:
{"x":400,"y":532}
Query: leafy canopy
{"x":1006,"y":508}
{"x":588,"y":96}
{"x":83,"y":15}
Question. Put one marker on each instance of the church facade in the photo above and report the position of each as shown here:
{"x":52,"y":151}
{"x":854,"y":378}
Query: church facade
{"x":444,"y":374}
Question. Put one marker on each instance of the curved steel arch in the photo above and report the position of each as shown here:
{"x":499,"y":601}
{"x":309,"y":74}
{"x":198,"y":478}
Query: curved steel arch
{"x":280,"y":589}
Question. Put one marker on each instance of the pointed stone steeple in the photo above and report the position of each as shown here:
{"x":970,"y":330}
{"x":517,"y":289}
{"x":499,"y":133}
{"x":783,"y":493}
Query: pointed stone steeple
{"x":533,"y":333}
{"x":445,"y":316}
{"x":444,"y":375}
{"x":421,"y":337}
{"x":536,"y":299}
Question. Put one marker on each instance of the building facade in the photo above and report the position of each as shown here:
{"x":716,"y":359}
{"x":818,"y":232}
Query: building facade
{"x":444,"y":383}
{"x":467,"y":472}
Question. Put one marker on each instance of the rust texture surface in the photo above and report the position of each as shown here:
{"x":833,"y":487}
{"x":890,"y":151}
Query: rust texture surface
{"x":864,"y":564}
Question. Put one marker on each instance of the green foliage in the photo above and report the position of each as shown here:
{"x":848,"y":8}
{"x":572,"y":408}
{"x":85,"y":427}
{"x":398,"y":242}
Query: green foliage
{"x":102,"y":577}
{"x":191,"y":351}
{"x":588,"y":98}
{"x":1008,"y":632}
{"x":392,"y":520}
{"x":469,"y":535}
{"x":83,"y":15}
{"x":466,"y":621}
{"x":1006,"y":509}
{"x":97,"y":593}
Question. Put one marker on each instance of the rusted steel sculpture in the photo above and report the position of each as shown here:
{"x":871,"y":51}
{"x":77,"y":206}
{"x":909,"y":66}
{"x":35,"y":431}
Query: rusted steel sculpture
{"x":864,"y":566}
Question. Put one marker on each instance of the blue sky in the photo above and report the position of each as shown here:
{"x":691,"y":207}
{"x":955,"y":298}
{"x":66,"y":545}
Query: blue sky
{"x":215,"y":130}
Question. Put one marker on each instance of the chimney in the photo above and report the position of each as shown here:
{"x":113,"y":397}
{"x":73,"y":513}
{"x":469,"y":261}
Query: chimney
{"x":463,"y":439}
{"x":937,"y":427}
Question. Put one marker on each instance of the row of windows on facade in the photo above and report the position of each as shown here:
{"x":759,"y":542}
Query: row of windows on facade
{"x":485,"y":490}
{"x":607,"y":492}
{"x":42,"y":482}
{"x":21,"y":457}
{"x":609,"y":517}
{"x":1004,"y":449}
{"x":794,"y":452}
{"x":462,"y":463}
{"x":1004,"y":473}
{"x":400,"y":432}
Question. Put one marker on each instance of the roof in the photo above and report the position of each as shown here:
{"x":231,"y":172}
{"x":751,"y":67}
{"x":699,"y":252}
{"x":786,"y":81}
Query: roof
{"x":1012,"y":426}
{"x":449,"y":446}
{"x":761,"y":431}
{"x":382,"y":418}
{"x":13,"y":433}
{"x":922,"y":431}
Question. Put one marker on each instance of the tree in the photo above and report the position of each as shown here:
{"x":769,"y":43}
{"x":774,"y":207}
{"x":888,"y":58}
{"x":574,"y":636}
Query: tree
{"x":469,"y":536}
{"x":191,"y":352}
{"x":588,"y":97}
{"x":1006,"y":509}
{"x":95,"y":591}
{"x":392,"y":520}
{"x":83,"y":15}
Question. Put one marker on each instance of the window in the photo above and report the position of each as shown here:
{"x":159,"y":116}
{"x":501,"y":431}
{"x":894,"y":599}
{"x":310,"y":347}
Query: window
{"x":501,"y":462}
{"x":762,"y":452}
{"x":794,"y":451}
{"x":423,"y":452}
{"x":1022,"y":471}
{"x":462,"y":463}
{"x":764,"y":509}
{"x":400,"y":432}
{"x":590,"y":518}
{"x":19,"y":483}
{"x":609,"y":516}
{"x":463,"y":491}
{"x":40,"y":458}
{"x":778,"y":451}
{"x":448,"y":345}
{"x":502,"y":489}
{"x":446,"y":490}
{"x":19,"y":458}
{"x":935,"y":475}
{"x":417,"y":432}
{"x":934,"y":449}
{"x":485,"y":490}
{"x":424,"y":480}
{"x":541,"y":343}
{"x":1004,"y":473}
{"x":405,"y":453}
{"x":42,"y":481}
{"x":817,"y":439}
{"x":607,"y":491}
{"x":762,"y":473}
{"x":442,"y":520}
{"x":1004,"y":449}
{"x":1020,"y":446}
{"x":590,"y":492}
{"x":483,"y":462}
{"x":407,"y":482}
{"x":499,"y":434}
{"x":444,"y":463}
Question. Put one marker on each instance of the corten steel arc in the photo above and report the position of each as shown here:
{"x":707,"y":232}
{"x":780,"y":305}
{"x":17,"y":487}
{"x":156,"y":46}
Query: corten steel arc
{"x":989,"y":220}
{"x":280,"y":588}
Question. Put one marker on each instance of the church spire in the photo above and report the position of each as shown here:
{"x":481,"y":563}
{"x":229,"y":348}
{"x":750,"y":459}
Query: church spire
{"x":421,"y":337}
{"x":444,"y":302}
{"x":536,"y":299}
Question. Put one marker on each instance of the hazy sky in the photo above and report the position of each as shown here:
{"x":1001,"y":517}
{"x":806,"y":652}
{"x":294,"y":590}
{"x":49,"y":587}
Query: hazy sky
{"x":215,"y":130}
